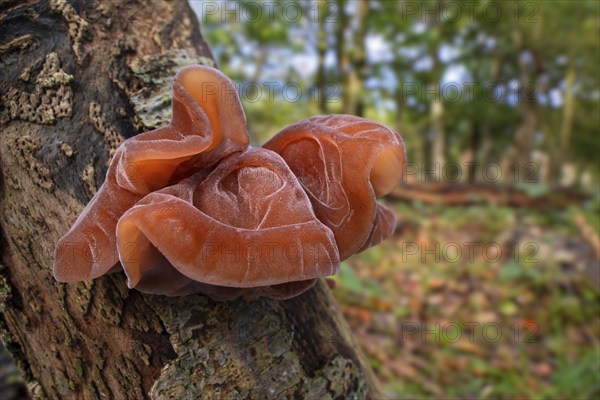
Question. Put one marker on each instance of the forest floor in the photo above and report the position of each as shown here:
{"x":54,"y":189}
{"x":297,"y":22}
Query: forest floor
{"x":506,"y":306}
{"x":479,"y":302}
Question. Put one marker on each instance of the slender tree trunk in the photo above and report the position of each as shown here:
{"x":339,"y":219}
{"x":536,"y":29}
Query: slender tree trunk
{"x":341,"y":52}
{"x":524,"y":140}
{"x":77,"y":78}
{"x":561,"y":152}
{"x":438,"y":147}
{"x":436,"y":109}
{"x":469,"y":163}
{"x":519,"y":158}
{"x":484,"y":152}
{"x":322,"y":46}
{"x":484,"y":156}
{"x":354,"y":103}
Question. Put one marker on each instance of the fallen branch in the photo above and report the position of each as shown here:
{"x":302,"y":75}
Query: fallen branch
{"x":459,"y":194}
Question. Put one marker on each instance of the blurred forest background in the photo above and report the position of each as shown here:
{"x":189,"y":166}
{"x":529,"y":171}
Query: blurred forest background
{"x":489,"y":288}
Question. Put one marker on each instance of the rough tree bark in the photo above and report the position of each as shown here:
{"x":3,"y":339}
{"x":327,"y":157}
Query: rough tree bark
{"x":77,"y":78}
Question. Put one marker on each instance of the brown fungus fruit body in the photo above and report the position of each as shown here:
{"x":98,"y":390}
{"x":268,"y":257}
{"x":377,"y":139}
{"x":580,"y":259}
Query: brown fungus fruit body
{"x":191,"y":207}
{"x":344,"y":162}
{"x":146,"y":162}
{"x":247,"y":224}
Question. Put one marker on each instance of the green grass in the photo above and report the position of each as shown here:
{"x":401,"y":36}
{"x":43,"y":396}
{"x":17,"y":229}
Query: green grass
{"x":560,"y":359}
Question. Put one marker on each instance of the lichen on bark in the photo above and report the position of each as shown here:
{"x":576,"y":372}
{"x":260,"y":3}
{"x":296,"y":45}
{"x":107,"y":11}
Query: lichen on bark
{"x":51,"y":98}
{"x":254,"y":355}
{"x":152,"y":103}
{"x":73,"y":88}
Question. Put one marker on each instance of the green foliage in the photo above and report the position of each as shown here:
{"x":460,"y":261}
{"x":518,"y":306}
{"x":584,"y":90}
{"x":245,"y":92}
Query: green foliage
{"x":485,"y":45}
{"x":576,"y":379}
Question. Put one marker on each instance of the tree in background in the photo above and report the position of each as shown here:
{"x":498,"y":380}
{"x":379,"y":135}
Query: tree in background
{"x":574,"y":76}
{"x":510,"y":83}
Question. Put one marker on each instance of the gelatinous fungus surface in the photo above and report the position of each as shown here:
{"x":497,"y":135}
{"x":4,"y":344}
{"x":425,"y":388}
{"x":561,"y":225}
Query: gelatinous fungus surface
{"x":191,"y":207}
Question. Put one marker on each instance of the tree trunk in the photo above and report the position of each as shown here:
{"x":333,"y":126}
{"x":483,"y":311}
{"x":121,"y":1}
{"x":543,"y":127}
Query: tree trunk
{"x":341,"y":52}
{"x":436,"y":108}
{"x":322,"y":46}
{"x":519,"y":157}
{"x":78,"y":78}
{"x":438,"y":147}
{"x":354,"y":85}
{"x":484,"y":152}
{"x":561,"y":151}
